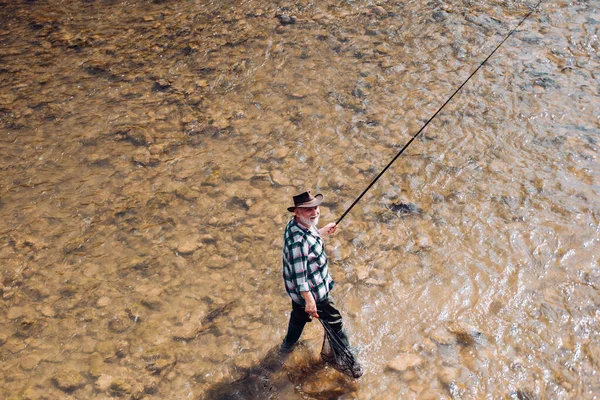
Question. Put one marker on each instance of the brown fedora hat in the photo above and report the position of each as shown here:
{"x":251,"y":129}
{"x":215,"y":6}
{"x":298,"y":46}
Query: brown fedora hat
{"x":306,"y":200}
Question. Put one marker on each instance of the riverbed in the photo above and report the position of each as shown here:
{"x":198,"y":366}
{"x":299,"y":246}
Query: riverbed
{"x":149,"y":151}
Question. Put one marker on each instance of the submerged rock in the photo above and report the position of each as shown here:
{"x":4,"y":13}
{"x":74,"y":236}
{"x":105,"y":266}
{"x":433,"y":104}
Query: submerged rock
{"x":120,"y":322}
{"x":405,"y":362}
{"x":405,"y":209}
{"x":68,"y":380}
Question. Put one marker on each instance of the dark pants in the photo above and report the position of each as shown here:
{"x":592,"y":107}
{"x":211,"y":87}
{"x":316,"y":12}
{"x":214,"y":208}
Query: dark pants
{"x":327,"y":312}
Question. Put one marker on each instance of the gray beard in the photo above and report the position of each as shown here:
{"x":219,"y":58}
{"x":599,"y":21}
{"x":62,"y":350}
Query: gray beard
{"x":308,"y":222}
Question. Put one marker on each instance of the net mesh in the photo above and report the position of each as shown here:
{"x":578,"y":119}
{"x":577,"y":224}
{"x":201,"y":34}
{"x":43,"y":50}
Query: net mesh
{"x":337,"y":354}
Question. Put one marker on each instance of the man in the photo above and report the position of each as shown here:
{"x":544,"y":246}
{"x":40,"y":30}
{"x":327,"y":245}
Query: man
{"x":306,"y":272}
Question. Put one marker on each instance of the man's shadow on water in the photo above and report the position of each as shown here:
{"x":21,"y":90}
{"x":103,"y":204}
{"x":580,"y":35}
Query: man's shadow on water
{"x":278,"y":372}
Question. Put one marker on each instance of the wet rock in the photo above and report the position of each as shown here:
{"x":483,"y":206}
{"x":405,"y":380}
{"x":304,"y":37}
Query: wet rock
{"x":362,"y":271}
{"x":285,"y":19}
{"x":439,"y":16}
{"x":188,"y":245}
{"x":187,"y":331}
{"x":465,"y":333}
{"x":448,"y":375}
{"x":379,"y":11}
{"x":423,"y":242}
{"x":523,"y":395}
{"x":280,"y":153}
{"x":120,"y":322}
{"x":103,"y":301}
{"x":279,"y":178}
{"x":405,"y":209}
{"x":4,"y":335}
{"x":405,"y":362}
{"x":68,"y":380}
{"x":383,"y":48}
{"x":161,"y":85}
{"x":103,"y":382}
{"x":17,"y":312}
{"x":119,"y":388}
{"x":26,"y":328}
{"x":28,"y":363}
{"x":336,"y":182}
{"x":88,"y":345}
{"x":217,"y":262}
{"x":142,"y":157}
{"x":442,"y":336}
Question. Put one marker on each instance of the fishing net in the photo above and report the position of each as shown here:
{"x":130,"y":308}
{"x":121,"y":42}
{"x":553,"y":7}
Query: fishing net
{"x":337,"y":354}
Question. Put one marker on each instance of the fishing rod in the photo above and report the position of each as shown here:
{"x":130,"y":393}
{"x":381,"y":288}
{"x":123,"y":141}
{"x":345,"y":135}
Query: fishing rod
{"x":436,"y":113}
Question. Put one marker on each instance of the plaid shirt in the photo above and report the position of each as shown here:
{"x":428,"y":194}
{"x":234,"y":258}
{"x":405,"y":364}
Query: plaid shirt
{"x":305,"y":266}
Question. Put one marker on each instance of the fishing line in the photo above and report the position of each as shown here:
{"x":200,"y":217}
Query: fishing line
{"x":436,"y":113}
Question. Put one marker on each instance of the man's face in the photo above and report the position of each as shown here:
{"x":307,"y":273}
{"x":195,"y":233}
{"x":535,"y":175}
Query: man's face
{"x":308,"y":216}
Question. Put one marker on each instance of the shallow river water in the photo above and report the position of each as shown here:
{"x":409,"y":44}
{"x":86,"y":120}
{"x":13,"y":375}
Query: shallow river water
{"x":149,"y":150}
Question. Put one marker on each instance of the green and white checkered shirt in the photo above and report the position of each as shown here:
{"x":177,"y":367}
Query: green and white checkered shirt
{"x":305,"y":266}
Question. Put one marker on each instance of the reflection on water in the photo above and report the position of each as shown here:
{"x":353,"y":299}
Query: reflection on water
{"x":149,"y":150}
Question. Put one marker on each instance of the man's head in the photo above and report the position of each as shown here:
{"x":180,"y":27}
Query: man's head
{"x":306,"y":208}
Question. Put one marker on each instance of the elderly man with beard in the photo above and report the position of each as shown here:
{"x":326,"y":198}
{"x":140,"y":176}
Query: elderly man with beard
{"x":306,"y":272}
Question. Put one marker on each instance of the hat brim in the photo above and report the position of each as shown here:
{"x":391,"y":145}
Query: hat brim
{"x":313,"y":203}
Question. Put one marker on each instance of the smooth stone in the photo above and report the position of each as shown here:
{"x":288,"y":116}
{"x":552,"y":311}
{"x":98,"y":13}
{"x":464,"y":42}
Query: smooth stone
{"x":103,"y":382}
{"x":88,"y":345}
{"x":48,"y":311}
{"x":405,"y":362}
{"x":103,"y":301}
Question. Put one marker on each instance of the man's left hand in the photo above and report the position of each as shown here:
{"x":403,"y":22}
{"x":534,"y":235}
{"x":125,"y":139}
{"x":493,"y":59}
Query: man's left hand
{"x":328,"y":229}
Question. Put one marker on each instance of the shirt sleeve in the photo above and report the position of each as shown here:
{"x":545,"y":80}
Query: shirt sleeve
{"x":299,"y":264}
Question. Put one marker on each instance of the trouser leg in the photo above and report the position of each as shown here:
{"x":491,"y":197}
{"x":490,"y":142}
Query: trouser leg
{"x":329,"y":313}
{"x":298,"y":318}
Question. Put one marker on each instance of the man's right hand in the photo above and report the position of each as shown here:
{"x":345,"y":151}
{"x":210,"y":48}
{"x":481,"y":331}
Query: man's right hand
{"x":311,"y":309}
{"x":311,"y":306}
